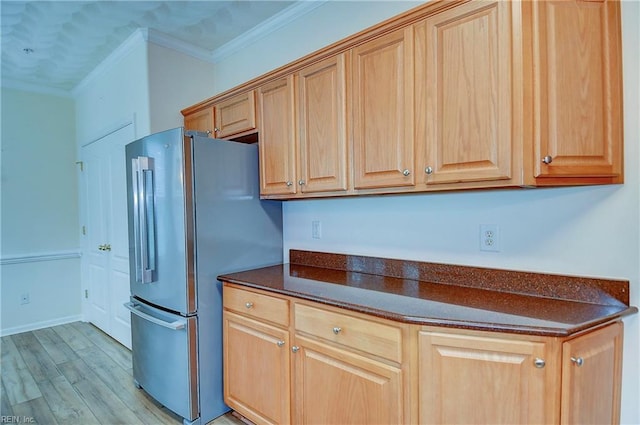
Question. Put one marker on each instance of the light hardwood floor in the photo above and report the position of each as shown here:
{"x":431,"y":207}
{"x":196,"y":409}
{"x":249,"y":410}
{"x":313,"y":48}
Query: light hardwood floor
{"x":75,"y":374}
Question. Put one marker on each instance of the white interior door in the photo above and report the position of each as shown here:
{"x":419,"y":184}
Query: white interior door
{"x":106,"y":245}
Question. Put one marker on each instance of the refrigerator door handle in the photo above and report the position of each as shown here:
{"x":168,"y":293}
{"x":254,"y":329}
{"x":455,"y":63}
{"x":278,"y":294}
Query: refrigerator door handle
{"x":175,"y":325}
{"x":144,"y":218}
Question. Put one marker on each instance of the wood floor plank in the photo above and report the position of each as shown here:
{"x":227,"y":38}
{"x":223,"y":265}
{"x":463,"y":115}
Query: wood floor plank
{"x":102,"y":401}
{"x":94,"y":384}
{"x":104,"y":404}
{"x":120,"y":382}
{"x":5,"y":406}
{"x":35,"y":411}
{"x":74,"y":338}
{"x":66,"y":405}
{"x":35,"y":356}
{"x":57,"y":348}
{"x":16,"y":377}
{"x":118,"y":352}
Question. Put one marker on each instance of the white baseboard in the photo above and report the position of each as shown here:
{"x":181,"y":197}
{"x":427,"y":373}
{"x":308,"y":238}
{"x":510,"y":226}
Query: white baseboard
{"x":40,"y":325}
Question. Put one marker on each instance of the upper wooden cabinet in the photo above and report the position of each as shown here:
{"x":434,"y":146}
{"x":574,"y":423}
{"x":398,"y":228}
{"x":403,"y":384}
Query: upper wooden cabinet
{"x":225,"y":119}
{"x":460,"y":94}
{"x":577,"y":91}
{"x":322,"y":122}
{"x":200,"y":120}
{"x":235,"y":115}
{"x":383,"y":139}
{"x":465,"y":108}
{"x":303,"y":135}
{"x":277,"y":137}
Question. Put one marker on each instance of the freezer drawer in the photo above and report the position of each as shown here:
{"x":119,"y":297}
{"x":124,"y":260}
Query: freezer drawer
{"x":164,"y":352}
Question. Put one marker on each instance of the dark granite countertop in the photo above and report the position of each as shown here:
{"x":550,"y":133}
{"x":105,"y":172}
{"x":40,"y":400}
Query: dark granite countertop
{"x":446,"y":295}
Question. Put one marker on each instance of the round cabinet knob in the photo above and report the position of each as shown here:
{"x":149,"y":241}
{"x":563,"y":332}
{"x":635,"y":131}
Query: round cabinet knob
{"x":547,"y":159}
{"x":289,"y":183}
{"x":248,"y":304}
{"x":295,"y":348}
{"x":100,"y":247}
{"x":301,"y":182}
{"x":406,"y":173}
{"x":539,"y":363}
{"x":280,"y":343}
{"x":107,"y":247}
{"x":428,"y":170}
{"x":578,"y":361}
{"x":216,"y":129}
{"x":208,"y":132}
{"x":337,"y":330}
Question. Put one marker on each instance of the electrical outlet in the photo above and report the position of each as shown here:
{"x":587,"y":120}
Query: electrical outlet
{"x":316,"y":229}
{"x":24,"y":299}
{"x":489,"y":237}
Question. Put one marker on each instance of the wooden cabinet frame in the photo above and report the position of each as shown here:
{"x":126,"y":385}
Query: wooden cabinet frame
{"x":536,"y":114}
{"x":424,"y":374}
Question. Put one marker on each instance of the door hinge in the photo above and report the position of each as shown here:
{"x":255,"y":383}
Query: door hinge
{"x":86,"y":293}
{"x":84,"y":230}
{"x":81,"y":164}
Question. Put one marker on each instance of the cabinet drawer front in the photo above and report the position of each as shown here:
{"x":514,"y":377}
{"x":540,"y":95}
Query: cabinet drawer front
{"x":256,"y":305}
{"x":363,"y":335}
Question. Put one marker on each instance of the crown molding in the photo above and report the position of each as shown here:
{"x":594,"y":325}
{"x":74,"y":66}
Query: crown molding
{"x":141,"y":35}
{"x":164,"y":40}
{"x":272,"y":24}
{"x":145,"y":35}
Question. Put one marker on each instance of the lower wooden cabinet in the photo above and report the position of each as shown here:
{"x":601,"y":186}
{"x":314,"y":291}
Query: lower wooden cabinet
{"x":288,"y":360}
{"x":256,"y":373}
{"x":481,"y":378}
{"x":591,"y":375}
{"x":339,"y":368}
{"x":477,"y":379}
{"x":335,"y":386}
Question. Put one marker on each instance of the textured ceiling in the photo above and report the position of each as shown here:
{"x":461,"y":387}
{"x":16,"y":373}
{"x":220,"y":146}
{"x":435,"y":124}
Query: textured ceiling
{"x":56,"y":44}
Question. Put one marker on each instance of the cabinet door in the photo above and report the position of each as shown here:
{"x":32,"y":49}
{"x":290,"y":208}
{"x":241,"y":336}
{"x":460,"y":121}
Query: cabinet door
{"x":201,"y":120}
{"x":334,"y":386}
{"x":463,"y":93}
{"x":591,"y":377}
{"x":577,"y":89}
{"x":477,"y":380}
{"x":277,"y":137}
{"x":235,"y":115}
{"x":383,"y":140}
{"x":256,"y":370}
{"x":322,"y":108}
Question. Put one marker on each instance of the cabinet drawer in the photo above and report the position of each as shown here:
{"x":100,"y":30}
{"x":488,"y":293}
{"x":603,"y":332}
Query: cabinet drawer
{"x":256,"y":305}
{"x":360,"y":334}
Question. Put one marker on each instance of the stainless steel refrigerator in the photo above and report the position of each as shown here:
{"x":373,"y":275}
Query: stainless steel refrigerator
{"x":194,"y":213}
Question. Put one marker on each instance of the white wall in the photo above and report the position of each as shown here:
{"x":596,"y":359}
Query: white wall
{"x":321,"y":27}
{"x":176,"y":81}
{"x":115,"y":93}
{"x":590,"y":231}
{"x":40,"y":242}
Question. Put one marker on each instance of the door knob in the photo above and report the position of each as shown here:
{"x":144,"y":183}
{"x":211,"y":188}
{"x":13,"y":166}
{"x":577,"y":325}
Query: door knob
{"x":578,"y":361}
